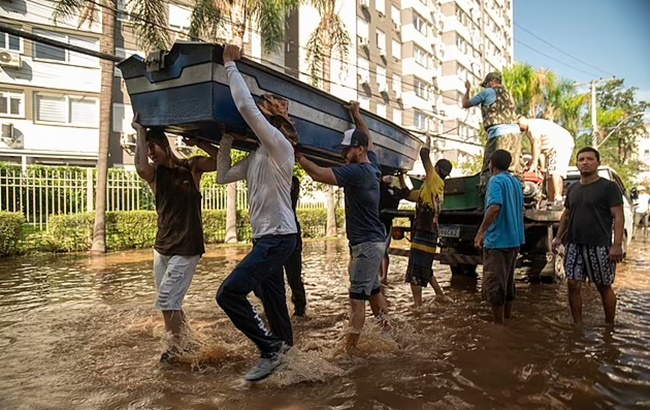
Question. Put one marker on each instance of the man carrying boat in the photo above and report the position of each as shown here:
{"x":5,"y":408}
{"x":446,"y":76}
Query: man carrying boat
{"x":365,"y":231}
{"x":268,"y":171}
{"x":500,"y":122}
{"x":179,"y":240}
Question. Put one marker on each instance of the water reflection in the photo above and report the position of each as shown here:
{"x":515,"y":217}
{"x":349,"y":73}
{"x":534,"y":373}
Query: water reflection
{"x":79,"y":332}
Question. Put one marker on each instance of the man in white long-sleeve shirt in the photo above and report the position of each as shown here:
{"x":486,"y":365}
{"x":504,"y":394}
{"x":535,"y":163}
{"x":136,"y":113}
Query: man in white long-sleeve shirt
{"x":268,"y":170}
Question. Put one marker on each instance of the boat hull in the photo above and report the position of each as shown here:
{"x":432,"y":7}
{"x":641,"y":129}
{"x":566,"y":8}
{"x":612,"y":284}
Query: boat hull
{"x":190,"y":96}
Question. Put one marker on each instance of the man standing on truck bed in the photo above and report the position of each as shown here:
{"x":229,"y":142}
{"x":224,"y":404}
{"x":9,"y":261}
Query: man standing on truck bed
{"x":556,"y":144}
{"x":590,"y":208}
{"x":428,"y":204}
{"x":500,"y":122}
{"x":365,"y":231}
{"x":500,"y":235}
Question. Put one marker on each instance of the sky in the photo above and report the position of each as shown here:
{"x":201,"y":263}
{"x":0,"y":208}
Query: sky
{"x":607,"y":37}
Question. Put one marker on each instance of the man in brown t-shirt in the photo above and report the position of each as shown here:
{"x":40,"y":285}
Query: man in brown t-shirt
{"x":179,"y":245}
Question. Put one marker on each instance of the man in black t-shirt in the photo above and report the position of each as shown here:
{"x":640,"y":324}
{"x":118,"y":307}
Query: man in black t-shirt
{"x":592,"y":206}
{"x":365,"y":231}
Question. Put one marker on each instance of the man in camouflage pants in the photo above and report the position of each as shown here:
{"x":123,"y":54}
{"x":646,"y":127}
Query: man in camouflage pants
{"x":500,"y":122}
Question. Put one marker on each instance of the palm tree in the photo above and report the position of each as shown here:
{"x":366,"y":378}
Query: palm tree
{"x":227,"y":20}
{"x":329,"y":36}
{"x":541,"y":94}
{"x":87,"y":12}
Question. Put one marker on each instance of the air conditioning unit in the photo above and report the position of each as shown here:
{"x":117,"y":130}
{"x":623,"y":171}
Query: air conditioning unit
{"x":363,"y":41}
{"x":443,"y":113}
{"x":383,"y":88}
{"x":127,"y":142}
{"x":396,"y":26}
{"x":398,"y":94}
{"x":382,"y":52}
{"x":364,"y":4}
{"x":10,"y":59}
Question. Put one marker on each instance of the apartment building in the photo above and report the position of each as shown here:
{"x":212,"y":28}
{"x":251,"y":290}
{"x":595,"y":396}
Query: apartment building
{"x":477,"y":38}
{"x":49,"y":97}
{"x":409,"y":59}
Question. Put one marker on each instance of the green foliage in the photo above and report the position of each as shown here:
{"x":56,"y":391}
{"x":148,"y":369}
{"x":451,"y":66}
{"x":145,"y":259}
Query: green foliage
{"x":11,"y":225}
{"x":541,"y":94}
{"x":137,"y":229}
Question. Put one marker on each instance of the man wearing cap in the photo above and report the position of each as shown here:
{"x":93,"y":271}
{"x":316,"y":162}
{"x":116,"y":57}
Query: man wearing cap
{"x":556,"y":144}
{"x":641,"y":210}
{"x":500,"y":122}
{"x":365,"y":231}
{"x":428,"y":204}
{"x":268,"y":171}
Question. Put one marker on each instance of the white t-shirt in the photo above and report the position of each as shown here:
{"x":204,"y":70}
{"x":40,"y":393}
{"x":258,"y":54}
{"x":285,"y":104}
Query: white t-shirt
{"x":268,"y":170}
{"x":642,"y":203}
{"x":551,"y":135}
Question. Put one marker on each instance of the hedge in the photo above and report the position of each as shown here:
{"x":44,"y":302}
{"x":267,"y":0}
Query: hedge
{"x":11,"y":229}
{"x":137,"y":229}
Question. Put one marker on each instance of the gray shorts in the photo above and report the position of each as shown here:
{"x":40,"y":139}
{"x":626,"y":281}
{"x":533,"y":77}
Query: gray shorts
{"x":499,"y":266}
{"x":173,"y":275}
{"x":365,"y":260}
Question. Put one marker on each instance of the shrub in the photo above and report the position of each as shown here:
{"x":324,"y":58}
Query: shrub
{"x":11,"y":228}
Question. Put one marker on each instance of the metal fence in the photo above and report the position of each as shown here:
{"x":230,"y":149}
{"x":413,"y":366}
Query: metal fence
{"x":39,"y":191}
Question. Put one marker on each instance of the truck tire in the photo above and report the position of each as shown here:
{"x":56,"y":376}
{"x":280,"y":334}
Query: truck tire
{"x":546,"y":268}
{"x":463,"y":269}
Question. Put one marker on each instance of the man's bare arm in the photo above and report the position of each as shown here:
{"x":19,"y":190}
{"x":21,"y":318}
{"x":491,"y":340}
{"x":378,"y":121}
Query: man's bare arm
{"x":317,"y":173}
{"x":142,"y":166}
{"x":360,"y":123}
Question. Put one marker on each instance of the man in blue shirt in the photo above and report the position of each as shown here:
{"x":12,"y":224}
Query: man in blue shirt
{"x":500,"y":122}
{"x":365,"y":231}
{"x":500,"y":235}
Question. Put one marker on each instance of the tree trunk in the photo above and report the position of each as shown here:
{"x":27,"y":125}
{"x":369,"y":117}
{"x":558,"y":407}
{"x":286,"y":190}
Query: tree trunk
{"x":107,"y":45}
{"x":231,"y":213}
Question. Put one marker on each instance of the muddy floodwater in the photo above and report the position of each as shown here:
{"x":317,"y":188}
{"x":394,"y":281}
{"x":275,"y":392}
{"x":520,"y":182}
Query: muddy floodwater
{"x":81,"y":333}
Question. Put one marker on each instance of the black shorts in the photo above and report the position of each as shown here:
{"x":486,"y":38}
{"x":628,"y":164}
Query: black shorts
{"x":420,"y":268}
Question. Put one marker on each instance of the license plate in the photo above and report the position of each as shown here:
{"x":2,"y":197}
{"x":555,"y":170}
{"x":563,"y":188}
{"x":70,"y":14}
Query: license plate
{"x":449,"y":232}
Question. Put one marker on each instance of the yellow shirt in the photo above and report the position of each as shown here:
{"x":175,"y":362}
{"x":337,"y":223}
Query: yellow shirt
{"x":428,"y":201}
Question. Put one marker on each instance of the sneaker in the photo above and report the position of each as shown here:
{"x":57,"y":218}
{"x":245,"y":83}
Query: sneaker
{"x":267,"y":365}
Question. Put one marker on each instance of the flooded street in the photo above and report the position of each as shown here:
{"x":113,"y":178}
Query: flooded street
{"x":81,"y":333}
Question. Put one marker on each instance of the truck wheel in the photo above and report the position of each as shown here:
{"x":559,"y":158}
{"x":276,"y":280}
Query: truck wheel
{"x":463,"y":269}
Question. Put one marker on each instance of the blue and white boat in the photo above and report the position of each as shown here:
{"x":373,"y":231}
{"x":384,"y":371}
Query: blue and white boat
{"x":186,"y":92}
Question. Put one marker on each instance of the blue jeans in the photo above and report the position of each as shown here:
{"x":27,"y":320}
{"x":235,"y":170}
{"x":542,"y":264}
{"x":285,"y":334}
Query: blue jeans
{"x":260,"y":271}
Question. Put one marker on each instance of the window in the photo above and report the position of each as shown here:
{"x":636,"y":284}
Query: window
{"x":380,"y":5}
{"x":381,"y":110}
{"x":66,"y":109}
{"x":421,"y":57}
{"x":396,"y":49}
{"x":363,"y":69}
{"x":364,"y":103}
{"x":179,"y":19}
{"x":125,"y":10}
{"x":397,"y":84}
{"x":396,"y":16}
{"x":419,"y":24}
{"x":381,"y":75}
{"x":10,"y":42}
{"x":420,"y":121}
{"x":12,"y":103}
{"x":362,"y":29}
{"x":380,"y":38}
{"x":421,"y":89}
{"x":397,"y":116}
{"x":45,"y":52}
